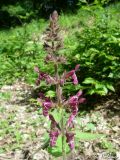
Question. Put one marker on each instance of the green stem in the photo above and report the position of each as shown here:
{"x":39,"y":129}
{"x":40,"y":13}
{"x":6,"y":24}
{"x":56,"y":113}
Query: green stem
{"x":59,"y":100}
{"x":63,"y":136}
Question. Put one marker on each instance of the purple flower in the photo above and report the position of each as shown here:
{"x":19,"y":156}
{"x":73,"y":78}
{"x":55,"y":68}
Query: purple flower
{"x":79,"y":93}
{"x":69,"y":74}
{"x":73,"y":75}
{"x":81,"y":100}
{"x":62,"y":82}
{"x":70,"y":140}
{"x":50,"y":80}
{"x":54,"y":124}
{"x":46,"y":107}
{"x":54,"y":16}
{"x":41,"y":95}
{"x":73,"y":102}
{"x":77,"y":67}
{"x":36,"y":69}
{"x":72,"y":116}
{"x":49,"y":57}
{"x":55,"y":131}
{"x":43,"y":76}
{"x":53,"y":137}
{"x":75,"y":80}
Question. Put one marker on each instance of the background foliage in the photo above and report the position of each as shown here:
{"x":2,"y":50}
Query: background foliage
{"x":97,"y":47}
{"x":91,"y":36}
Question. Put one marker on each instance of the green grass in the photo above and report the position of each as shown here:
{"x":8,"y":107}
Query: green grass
{"x":20,"y":51}
{"x":35,"y":26}
{"x":21,"y":47}
{"x":12,"y":132}
{"x":5,"y":96}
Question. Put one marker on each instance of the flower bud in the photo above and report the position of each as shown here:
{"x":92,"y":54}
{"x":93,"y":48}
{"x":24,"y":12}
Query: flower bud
{"x":53,"y":137}
{"x":70,"y":140}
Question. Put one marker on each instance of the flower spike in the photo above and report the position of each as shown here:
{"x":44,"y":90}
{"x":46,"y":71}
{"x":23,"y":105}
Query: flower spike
{"x":52,"y":44}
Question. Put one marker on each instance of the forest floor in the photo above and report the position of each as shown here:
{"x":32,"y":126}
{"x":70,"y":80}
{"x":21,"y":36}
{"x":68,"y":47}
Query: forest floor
{"x":22,"y":128}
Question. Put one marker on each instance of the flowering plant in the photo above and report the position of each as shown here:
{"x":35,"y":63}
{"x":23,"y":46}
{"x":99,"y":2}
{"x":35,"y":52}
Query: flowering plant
{"x":52,"y":45}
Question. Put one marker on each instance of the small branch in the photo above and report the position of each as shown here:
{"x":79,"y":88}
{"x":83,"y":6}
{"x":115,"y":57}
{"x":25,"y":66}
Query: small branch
{"x":5,"y":157}
{"x":45,"y":145}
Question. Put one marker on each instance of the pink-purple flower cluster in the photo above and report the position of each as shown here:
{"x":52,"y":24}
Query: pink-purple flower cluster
{"x":52,"y":80}
{"x":73,"y":103}
{"x":54,"y":132}
{"x":53,"y":137}
{"x":72,"y":75}
{"x":43,"y":76}
{"x":70,"y":139}
{"x":46,"y":107}
{"x":55,"y":129}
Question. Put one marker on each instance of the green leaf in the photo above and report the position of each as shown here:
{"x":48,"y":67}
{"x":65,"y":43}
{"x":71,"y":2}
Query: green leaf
{"x":105,"y":89}
{"x":56,"y":114}
{"x":107,"y":145}
{"x":102,"y":91}
{"x":1,"y":150}
{"x":50,"y":94}
{"x":111,"y":75}
{"x":110,"y":87}
{"x":57,"y":150}
{"x":5,"y":95}
{"x":99,"y":85}
{"x":90,"y":127}
{"x":89,"y":81}
{"x":88,"y":136}
{"x":83,"y":1}
{"x":91,"y":91}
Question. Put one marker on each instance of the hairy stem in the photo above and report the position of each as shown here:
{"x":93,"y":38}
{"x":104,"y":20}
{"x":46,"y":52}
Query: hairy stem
{"x":59,"y":100}
{"x":58,"y":87}
{"x":63,"y":136}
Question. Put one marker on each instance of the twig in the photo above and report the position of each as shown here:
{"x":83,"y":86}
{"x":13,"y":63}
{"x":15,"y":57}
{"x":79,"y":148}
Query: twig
{"x":45,"y":145}
{"x":5,"y":157}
